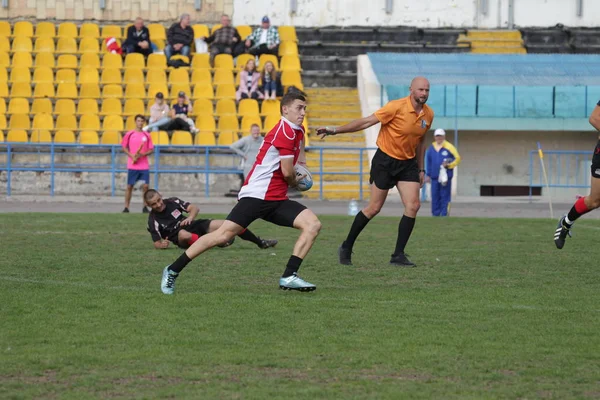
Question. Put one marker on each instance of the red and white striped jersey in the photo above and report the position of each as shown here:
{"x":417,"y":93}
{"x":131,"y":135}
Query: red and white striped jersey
{"x":265,"y":180}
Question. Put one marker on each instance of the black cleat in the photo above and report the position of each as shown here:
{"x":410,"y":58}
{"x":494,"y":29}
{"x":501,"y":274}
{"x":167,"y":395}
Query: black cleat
{"x":560,"y":234}
{"x":266,"y":243}
{"x":125,"y":210}
{"x":400,"y":260}
{"x":345,"y":255}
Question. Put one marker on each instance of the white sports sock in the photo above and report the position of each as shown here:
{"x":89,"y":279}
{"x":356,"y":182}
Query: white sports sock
{"x":568,"y":221}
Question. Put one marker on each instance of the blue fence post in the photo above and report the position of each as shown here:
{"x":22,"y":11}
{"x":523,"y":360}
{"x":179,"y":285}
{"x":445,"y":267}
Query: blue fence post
{"x":321,"y":173}
{"x":206,"y":172}
{"x":456,"y":116}
{"x":156,"y":166}
{"x":9,"y":169}
{"x":360,"y":174}
{"x":52,"y":169}
{"x":585,"y":109}
{"x":530,"y":175}
{"x":113,"y":167}
{"x":514,"y":101}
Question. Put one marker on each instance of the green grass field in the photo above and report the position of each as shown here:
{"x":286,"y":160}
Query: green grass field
{"x":492,"y":311}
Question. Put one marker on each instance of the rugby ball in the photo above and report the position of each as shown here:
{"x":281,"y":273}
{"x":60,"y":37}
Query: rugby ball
{"x":306,"y":182}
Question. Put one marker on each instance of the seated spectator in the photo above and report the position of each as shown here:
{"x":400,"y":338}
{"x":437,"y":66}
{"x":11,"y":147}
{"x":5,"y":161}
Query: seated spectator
{"x":179,"y":37}
{"x":271,"y":82}
{"x":264,"y":40}
{"x":249,"y":78}
{"x":182,"y":108}
{"x":163,"y":118}
{"x":224,"y":39}
{"x":138,"y":39}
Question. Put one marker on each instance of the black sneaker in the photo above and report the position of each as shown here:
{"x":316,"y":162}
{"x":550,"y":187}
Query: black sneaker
{"x":345,"y":255}
{"x":401,"y":260}
{"x":560,"y":234}
{"x":266,"y":243}
{"x":126,"y":210}
{"x":145,"y":210}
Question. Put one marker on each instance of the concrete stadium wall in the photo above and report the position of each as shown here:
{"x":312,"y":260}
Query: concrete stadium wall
{"x":425,"y":14}
{"x":116,"y":10}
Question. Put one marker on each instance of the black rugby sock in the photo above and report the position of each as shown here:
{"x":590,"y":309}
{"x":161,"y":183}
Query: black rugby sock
{"x":251,"y":237}
{"x":180,"y":263}
{"x":360,"y":221}
{"x":405,"y":228}
{"x":292,"y":267}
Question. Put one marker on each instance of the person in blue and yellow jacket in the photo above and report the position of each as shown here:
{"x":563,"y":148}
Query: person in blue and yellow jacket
{"x":441,"y":154}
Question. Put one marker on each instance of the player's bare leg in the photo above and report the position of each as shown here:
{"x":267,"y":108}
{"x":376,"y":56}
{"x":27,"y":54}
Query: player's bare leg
{"x":582,"y":206}
{"x":245,"y":235}
{"x":409,"y":194}
{"x":361,"y":220}
{"x":309,"y":226}
{"x":144,"y":190}
{"x":128,"y":193}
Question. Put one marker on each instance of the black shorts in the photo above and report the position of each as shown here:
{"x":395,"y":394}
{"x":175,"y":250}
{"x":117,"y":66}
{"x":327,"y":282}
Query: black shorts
{"x":199,"y":227}
{"x":249,"y":209}
{"x":596,"y":161}
{"x":387,"y":171}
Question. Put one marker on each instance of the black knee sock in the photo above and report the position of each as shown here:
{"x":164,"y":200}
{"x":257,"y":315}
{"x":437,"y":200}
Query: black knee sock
{"x":578,"y":209}
{"x":292,"y":267}
{"x":180,"y":263}
{"x":251,"y":237}
{"x":360,"y":221}
{"x":405,"y":228}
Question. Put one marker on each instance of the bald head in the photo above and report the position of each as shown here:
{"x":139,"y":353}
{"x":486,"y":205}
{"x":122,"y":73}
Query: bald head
{"x":419,"y":90}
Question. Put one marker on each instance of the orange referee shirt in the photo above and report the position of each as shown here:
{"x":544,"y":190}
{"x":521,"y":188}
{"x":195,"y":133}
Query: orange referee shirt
{"x":401,"y":128}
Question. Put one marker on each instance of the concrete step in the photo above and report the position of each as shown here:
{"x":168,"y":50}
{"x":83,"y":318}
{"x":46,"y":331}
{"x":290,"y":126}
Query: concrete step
{"x":494,"y":34}
{"x":324,"y":105}
{"x":338,"y":90}
{"x":499,"y":50}
{"x":330,"y":121}
{"x":337,"y":165}
{"x":327,"y":114}
{"x":334,"y":155}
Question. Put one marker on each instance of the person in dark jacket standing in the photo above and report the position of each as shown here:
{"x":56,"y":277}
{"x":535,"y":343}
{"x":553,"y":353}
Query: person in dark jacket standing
{"x":179,"y":37}
{"x":138,"y":39}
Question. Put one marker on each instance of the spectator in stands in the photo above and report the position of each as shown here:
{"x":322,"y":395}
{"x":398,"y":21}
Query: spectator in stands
{"x":224,"y":39}
{"x":163,"y":118}
{"x":249,"y":78}
{"x":271,"y":82}
{"x":247,"y":148}
{"x":179,"y":37}
{"x":264,"y":40}
{"x":182,"y":108}
{"x":442,"y":157}
{"x":138,"y":39}
{"x":137,"y":144}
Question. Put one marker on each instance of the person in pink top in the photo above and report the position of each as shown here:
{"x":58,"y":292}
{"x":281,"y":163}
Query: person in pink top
{"x":137,"y":144}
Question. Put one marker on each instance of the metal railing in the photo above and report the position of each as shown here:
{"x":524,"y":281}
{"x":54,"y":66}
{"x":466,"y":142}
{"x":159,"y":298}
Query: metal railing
{"x":565,"y":169}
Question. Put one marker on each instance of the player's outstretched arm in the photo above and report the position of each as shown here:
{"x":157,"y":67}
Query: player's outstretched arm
{"x":161,"y":244}
{"x":595,"y":118}
{"x":354,"y":126}
{"x":192,"y":211}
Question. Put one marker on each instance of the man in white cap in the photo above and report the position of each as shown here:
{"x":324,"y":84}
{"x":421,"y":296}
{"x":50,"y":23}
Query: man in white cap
{"x":441,"y":158}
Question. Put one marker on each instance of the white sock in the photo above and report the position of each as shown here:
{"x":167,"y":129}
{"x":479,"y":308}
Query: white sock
{"x":568,"y":221}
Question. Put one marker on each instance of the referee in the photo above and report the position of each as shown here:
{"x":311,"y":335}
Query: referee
{"x":399,"y":162}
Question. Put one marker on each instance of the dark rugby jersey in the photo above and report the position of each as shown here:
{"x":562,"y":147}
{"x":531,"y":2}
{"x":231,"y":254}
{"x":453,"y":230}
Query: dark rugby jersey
{"x":165,"y":224}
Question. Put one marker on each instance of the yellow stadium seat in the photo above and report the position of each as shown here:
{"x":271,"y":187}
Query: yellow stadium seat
{"x":89,"y":30}
{"x":244,"y":31}
{"x":87,"y":107}
{"x":133,"y":76}
{"x":287,"y":33}
{"x":3,"y":122}
{"x":88,"y":75}
{"x":156,"y":76}
{"x":64,"y":136}
{"x":41,"y":136}
{"x":205,"y":139}
{"x":200,"y":61}
{"x":111,"y":31}
{"x":113,"y":123}
{"x":157,"y":32}
{"x":291,"y":78}
{"x":181,"y":138}
{"x":135,"y":60}
{"x":202,"y":107}
{"x":4,"y":89}
{"x":271,"y":121}
{"x":46,"y":60}
{"x":43,"y":121}
{"x":66,"y":76}
{"x":112,"y":92}
{"x":67,"y":61}
{"x":242,"y":59}
{"x":18,"y":106}
{"x":2,"y":107}
{"x":179,"y":76}
{"x":157,"y":61}
{"x":23,"y":28}
{"x":134,"y":107}
{"x":1,"y":136}
{"x":214,"y":28}
{"x":135,"y":91}
{"x":22,"y":43}
{"x":111,"y":76}
{"x":43,"y":106}
{"x":200,"y":30}
{"x":176,"y":88}
{"x":288,"y":48}
{"x":44,"y":45}
{"x":225,"y":107}
{"x":45,"y":29}
{"x":227,"y":138}
{"x":111,"y":107}
{"x":41,"y":90}
{"x":4,"y":59}
{"x":17,"y":136}
{"x":88,"y":137}
{"x":157,"y":87}
{"x":5,"y":29}
{"x":248,"y":107}
{"x":19,"y":121}
{"x":265,"y":58}
{"x":66,"y":45}
{"x":290,"y":63}
{"x":3,"y":75}
{"x":270,"y":107}
{"x":130,"y":123}
{"x":160,"y":138}
{"x":223,"y":77}
{"x":89,"y":122}
{"x":89,"y":45}
{"x":111,"y":137}
{"x":248,"y":121}
{"x":61,"y":107}
{"x":4,"y":44}
{"x":110,"y":60}
{"x":66,"y":121}
{"x":22,"y":60}
{"x":67,"y":30}
{"x":225,"y":91}
{"x":20,"y":75}
{"x":89,"y":91}
{"x":228,"y":123}
{"x":203,"y":91}
{"x":223,"y":61}
{"x":206,"y":124}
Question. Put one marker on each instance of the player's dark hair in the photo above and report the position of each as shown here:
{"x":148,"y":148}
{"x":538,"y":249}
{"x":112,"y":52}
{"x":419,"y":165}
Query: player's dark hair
{"x":139,"y":116}
{"x":289,"y":98}
{"x":150,"y":194}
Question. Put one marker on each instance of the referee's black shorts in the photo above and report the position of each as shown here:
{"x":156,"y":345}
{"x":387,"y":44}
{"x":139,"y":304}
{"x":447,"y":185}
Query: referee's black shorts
{"x":387,"y":171}
{"x":596,"y":161}
{"x":249,"y":209}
